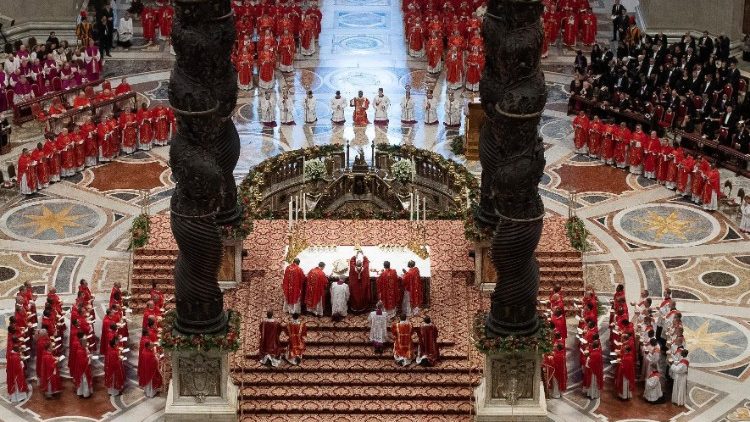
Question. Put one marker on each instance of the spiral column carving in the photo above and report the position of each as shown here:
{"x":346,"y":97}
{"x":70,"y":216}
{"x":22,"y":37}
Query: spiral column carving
{"x":203,"y":154}
{"x":513,"y":95}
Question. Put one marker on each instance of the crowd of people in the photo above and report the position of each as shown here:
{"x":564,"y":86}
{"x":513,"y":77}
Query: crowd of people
{"x":46,"y":344}
{"x":33,"y":70}
{"x":449,"y":36}
{"x":654,"y":157}
{"x":92,"y":140}
{"x":572,"y":21}
{"x":646,"y":346}
{"x":687,"y":86}
{"x":269,"y":35}
{"x":394,"y":295}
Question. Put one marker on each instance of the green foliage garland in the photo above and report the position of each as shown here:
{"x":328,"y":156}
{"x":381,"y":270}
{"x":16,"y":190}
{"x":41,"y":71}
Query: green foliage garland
{"x":139,"y":232}
{"x":577,"y":233}
{"x":457,"y":145}
{"x":229,"y":340}
{"x":540,"y":342}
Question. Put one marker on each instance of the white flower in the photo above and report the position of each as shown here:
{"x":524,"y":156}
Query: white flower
{"x":314,"y":169}
{"x":402,"y":170}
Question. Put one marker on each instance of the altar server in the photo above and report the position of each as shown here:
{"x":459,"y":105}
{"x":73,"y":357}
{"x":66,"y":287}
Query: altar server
{"x":296,"y":330}
{"x":378,"y":327}
{"x":428,"y":353}
{"x":311,"y":115}
{"x":269,"y":349}
{"x":679,"y":373}
{"x":149,"y":377}
{"x":402,"y":342}
{"x":339,"y":299}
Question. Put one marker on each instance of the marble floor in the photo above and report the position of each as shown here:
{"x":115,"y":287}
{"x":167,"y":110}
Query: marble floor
{"x":642,"y":235}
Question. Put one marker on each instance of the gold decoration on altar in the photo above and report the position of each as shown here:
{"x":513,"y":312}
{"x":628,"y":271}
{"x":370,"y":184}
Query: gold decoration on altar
{"x":417,"y":236}
{"x":297,"y":241}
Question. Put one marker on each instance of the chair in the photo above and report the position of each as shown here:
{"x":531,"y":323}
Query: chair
{"x":106,"y":85}
{"x":728,"y":90}
{"x":89,"y":90}
{"x":742,"y":85}
{"x":57,"y":83}
{"x":658,"y":112}
{"x":35,"y":90}
{"x":681,"y":112}
{"x":715,"y":97}
{"x":698,"y":102}
{"x":667,"y":119}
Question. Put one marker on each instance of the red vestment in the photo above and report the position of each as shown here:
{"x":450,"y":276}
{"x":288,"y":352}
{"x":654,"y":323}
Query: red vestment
{"x":123,"y":88}
{"x":698,"y":178}
{"x":308,"y":33}
{"x":672,"y":171}
{"x":315,"y":288}
{"x":428,"y":344}
{"x":685,"y":167}
{"x":588,"y":28}
{"x":595,"y":137}
{"x":608,"y":145}
{"x":653,"y":146}
{"x":53,"y":158}
{"x":594,"y":369}
{"x":474,"y":67}
{"x":434,"y":51}
{"x":245,"y":69}
{"x":166,"y":15}
{"x":148,"y":369}
{"x":148,"y":21}
{"x":581,"y":128}
{"x":115,"y":297}
{"x":570,"y":30}
{"x":560,"y":369}
{"x":551,"y":26}
{"x":625,"y":370}
{"x":129,"y":128}
{"x":286,"y":50}
{"x":388,"y":289}
{"x":294,"y":278}
{"x":15,"y":378}
{"x":413,"y":284}
{"x":49,"y":377}
{"x":360,"y":290}
{"x":712,"y":185}
{"x":664,"y":162}
{"x":636,"y":148}
{"x":415,"y":38}
{"x":41,"y":344}
{"x":360,"y":104}
{"x":42,"y":167}
{"x":82,"y":367}
{"x":269,"y":338}
{"x":266,"y":65}
{"x":25,"y":168}
{"x":402,"y":344}
{"x":114,"y":372}
{"x":561,"y":325}
{"x":296,"y":334}
{"x":454,"y":67}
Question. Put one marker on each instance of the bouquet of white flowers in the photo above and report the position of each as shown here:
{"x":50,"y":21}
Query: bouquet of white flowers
{"x":314,"y":169}
{"x":402,"y":170}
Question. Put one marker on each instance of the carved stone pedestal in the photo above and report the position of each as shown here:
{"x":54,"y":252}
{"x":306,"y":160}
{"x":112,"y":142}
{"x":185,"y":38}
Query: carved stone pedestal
{"x":512,"y":389}
{"x":201,"y":388}
{"x":230,"y":272}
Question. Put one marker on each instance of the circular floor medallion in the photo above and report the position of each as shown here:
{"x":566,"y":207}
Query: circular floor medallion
{"x":666,"y":225}
{"x":53,"y":221}
{"x":714,"y":340}
{"x":7,"y":273}
{"x":719,"y":279}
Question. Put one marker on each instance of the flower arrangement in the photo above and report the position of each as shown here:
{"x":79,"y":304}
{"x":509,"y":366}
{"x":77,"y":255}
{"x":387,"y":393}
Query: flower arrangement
{"x":139,"y":232}
{"x":315,"y":169}
{"x":577,"y":233}
{"x":229,"y":340}
{"x":457,"y":145}
{"x":402,"y":170}
{"x":541,"y":341}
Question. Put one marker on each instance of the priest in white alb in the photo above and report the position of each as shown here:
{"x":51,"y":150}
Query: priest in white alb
{"x":679,"y":373}
{"x":338,"y":105}
{"x":268,"y":109}
{"x":430,"y":109}
{"x":407,"y":108}
{"x":286,"y":109}
{"x":339,"y":299}
{"x":311,"y":115}
{"x":381,"y":103}
{"x":378,"y":320}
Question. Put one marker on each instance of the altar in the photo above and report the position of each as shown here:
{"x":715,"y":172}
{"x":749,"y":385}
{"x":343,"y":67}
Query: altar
{"x":337,"y":259}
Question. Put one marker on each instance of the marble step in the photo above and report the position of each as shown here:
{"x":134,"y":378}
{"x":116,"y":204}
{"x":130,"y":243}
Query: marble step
{"x":343,"y":378}
{"x":346,"y":417}
{"x":383,"y":390}
{"x":314,"y":365}
{"x":360,"y":352}
{"x":372,"y":406}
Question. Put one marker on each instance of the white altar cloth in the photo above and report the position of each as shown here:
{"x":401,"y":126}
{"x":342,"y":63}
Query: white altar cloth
{"x":337,"y":259}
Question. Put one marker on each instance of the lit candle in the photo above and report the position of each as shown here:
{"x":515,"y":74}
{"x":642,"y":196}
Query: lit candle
{"x":296,"y":208}
{"x":424,"y":209}
{"x":411,"y":206}
{"x":290,"y":214}
{"x":468,"y":200}
{"x":417,"y":208}
{"x":413,"y":172}
{"x":303,"y":167}
{"x":304,"y":206}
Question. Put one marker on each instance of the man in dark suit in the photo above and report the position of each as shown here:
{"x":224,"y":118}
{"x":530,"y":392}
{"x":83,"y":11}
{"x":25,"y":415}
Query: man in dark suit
{"x":729,"y":120}
{"x":618,"y":14}
{"x":705,"y":46}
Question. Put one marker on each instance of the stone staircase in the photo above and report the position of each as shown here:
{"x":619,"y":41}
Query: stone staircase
{"x":564,"y":268}
{"x":341,"y":378}
{"x":151,"y":265}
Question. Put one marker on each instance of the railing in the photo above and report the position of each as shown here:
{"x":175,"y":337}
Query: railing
{"x":22,"y":111}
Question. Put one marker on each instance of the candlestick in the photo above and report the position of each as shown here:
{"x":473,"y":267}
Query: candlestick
{"x":417,"y":208}
{"x":413,"y":170}
{"x":296,"y":208}
{"x":290,"y":214}
{"x":304,"y":206}
{"x":468,"y":200}
{"x":424,"y":209}
{"x":303,"y":167}
{"x":411,"y":206}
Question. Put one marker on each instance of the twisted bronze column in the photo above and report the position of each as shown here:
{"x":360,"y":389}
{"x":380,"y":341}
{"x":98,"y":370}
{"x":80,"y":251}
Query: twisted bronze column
{"x":512,"y":155}
{"x":204,"y":151}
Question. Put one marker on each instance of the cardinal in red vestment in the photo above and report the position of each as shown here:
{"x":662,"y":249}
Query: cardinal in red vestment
{"x":428,"y":353}
{"x":595,"y":137}
{"x":402,"y":342}
{"x":588,"y":28}
{"x":700,"y":171}
{"x":294,"y":279}
{"x":608,"y":143}
{"x":360,"y":104}
{"x":434,"y":53}
{"x":42,"y":166}
{"x":664,"y":162}
{"x":711,"y":189}
{"x":454,"y":68}
{"x":145,"y":128}
{"x":684,"y":170}
{"x":360,"y":291}
{"x":625,"y":375}
{"x":114,"y":372}
{"x":412,"y":300}
{"x":551,"y":25}
{"x":15,"y":379}
{"x":149,"y":22}
{"x":635,"y":158}
{"x":287,"y":50}
{"x":129,"y":128}
{"x":26,"y":173}
{"x":388,"y":288}
{"x":296,"y":330}
{"x":581,"y":130}
{"x":166,"y":15}
{"x":269,"y":349}
{"x":149,"y":377}
{"x":245,"y":70}
{"x":474,"y":68}
{"x":315,"y":290}
{"x":652,"y":149}
{"x":49,"y":377}
{"x":569,"y":29}
{"x":82,"y":378}
{"x":622,"y":145}
{"x":678,"y":155}
{"x":593,"y":374}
